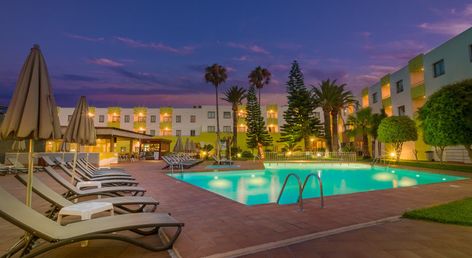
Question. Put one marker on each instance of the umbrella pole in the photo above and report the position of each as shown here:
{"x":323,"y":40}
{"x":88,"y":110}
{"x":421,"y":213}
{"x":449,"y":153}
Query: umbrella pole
{"x":74,"y":164}
{"x":29,"y":184}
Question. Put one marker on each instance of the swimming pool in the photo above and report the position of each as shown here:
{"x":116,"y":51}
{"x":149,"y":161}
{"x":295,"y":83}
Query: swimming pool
{"x":253,"y":187}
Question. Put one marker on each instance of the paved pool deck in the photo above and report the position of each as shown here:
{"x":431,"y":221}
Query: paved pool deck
{"x":216,"y":226}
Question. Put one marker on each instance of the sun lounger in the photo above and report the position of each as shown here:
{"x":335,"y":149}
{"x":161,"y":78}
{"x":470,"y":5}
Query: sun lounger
{"x":93,"y":167}
{"x":98,"y":173}
{"x":174,"y":161}
{"x":222,"y":161}
{"x":74,"y":192}
{"x":37,"y":226}
{"x":17,"y":166}
{"x":96,"y":178}
{"x":123,"y":203}
{"x":80,"y":176}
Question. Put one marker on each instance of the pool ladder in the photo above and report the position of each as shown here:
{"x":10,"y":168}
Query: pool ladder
{"x":301,"y":188}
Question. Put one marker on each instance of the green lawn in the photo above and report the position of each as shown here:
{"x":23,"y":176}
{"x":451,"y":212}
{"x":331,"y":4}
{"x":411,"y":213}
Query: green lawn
{"x":457,"y":212}
{"x":436,"y":165}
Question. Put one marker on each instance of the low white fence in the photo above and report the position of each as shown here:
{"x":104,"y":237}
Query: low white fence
{"x":311,"y":156}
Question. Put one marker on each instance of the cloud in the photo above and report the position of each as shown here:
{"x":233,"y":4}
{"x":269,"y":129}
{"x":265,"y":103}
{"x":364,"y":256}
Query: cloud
{"x":398,"y":51}
{"x":138,"y":76}
{"x":105,"y":62}
{"x":251,"y":48}
{"x":241,"y":58}
{"x":86,"y":38}
{"x":78,"y":78}
{"x":451,"y":24}
{"x":155,"y":45}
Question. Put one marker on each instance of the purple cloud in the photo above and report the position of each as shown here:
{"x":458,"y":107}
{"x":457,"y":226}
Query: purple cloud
{"x":452,"y":24}
{"x":251,"y":48}
{"x":155,"y":45}
{"x":105,"y":62}
{"x":86,"y":38}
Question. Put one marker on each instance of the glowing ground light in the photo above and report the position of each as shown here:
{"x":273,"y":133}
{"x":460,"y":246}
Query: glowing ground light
{"x":417,"y":175}
{"x":215,"y":177}
{"x":444,"y":179}
{"x":253,"y":175}
{"x":393,"y":171}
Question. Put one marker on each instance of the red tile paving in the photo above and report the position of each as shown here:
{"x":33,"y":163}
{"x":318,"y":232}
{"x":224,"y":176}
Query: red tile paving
{"x":215,"y":224}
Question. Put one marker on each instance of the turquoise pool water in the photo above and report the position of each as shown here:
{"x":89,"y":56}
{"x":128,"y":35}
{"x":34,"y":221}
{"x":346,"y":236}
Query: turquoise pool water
{"x":253,"y":187}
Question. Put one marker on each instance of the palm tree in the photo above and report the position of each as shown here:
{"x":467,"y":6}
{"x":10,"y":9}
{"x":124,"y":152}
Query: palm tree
{"x":216,"y":75}
{"x":343,"y":99}
{"x":361,"y":124}
{"x":235,"y":95}
{"x":258,"y":78}
{"x":324,"y":96}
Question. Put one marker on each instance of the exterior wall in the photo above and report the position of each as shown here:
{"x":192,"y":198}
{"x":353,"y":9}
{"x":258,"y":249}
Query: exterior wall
{"x":419,"y":83}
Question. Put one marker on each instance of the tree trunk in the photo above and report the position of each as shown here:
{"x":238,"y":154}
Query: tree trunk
{"x":468,"y":148}
{"x":235,"y":126}
{"x":365,"y":145}
{"x":334,"y":117}
{"x":327,"y":129}
{"x":439,"y":151}
{"x":260,"y":151}
{"x":374,"y":149}
{"x":217,"y":126}
{"x":398,"y":150}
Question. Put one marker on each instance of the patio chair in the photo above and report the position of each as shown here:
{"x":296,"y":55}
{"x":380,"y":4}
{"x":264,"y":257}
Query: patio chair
{"x":75,"y":193}
{"x":222,"y":161}
{"x":93,"y":167}
{"x":122,"y":203}
{"x":99,"y":172}
{"x":17,"y":166}
{"x":87,"y":177}
{"x":106,"y":181}
{"x":37,"y":226}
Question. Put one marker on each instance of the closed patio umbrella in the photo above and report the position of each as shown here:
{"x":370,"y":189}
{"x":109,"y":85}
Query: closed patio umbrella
{"x":18,"y":145}
{"x":193,"y":147}
{"x":187,"y":145}
{"x":32,"y":112}
{"x":178,"y":145}
{"x":80,"y":130}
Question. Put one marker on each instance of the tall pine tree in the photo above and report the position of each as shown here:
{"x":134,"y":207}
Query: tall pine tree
{"x":257,"y":135}
{"x":300,"y":120}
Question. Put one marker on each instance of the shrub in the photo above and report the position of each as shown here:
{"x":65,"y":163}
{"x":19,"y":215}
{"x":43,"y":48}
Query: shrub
{"x":247,"y":154}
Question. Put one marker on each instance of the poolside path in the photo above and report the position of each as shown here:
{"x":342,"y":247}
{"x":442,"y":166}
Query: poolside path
{"x":216,"y":225}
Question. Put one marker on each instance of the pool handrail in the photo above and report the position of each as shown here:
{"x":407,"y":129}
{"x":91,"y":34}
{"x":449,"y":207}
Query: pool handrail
{"x":300,"y":190}
{"x":320,"y":183}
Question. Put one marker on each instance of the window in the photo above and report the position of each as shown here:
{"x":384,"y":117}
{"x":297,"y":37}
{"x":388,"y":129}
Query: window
{"x":400,"y":86}
{"x":374,"y":97}
{"x":178,"y":132}
{"x":271,"y":114}
{"x":141,"y":119}
{"x":153,"y":132}
{"x":439,"y":68}
{"x":227,"y":115}
{"x":192,"y":132}
{"x":153,"y":119}
{"x":193,"y":119}
{"x":115,"y":118}
{"x":401,"y":110}
{"x":101,"y":118}
{"x":126,"y":118}
{"x":178,"y":119}
{"x":167,"y":119}
{"x":227,"y":129}
{"x":69,"y":117}
{"x":211,"y":114}
{"x":211,"y":129}
{"x":470,"y":53}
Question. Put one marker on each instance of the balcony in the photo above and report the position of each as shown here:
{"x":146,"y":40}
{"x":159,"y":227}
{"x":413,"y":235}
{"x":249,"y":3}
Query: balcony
{"x":113,"y":124}
{"x":139,"y":125}
{"x":165,"y":125}
{"x":272,"y":121}
{"x":418,"y":91}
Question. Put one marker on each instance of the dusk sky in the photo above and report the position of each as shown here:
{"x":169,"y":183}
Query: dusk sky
{"x":153,"y":53}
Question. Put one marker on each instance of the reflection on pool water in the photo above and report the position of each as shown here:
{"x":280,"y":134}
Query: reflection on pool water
{"x":253,"y":187}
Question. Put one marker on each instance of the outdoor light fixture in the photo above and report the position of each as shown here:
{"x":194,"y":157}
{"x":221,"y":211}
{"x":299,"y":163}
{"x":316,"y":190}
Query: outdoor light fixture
{"x":90,"y":114}
{"x":140,"y":114}
{"x":289,"y":153}
{"x":392,"y":154}
{"x":318,"y":154}
{"x":239,"y":155}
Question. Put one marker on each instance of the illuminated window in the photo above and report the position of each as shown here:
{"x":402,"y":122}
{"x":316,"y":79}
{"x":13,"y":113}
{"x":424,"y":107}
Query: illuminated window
{"x":439,"y":68}
{"x":115,"y":118}
{"x":141,"y":119}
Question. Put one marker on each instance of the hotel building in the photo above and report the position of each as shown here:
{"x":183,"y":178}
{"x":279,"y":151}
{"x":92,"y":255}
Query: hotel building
{"x":404,"y":91}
